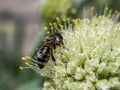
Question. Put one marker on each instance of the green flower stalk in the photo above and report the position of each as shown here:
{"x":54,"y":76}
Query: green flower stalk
{"x":90,"y":59}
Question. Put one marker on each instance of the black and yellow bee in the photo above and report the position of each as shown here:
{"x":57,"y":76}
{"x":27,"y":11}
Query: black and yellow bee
{"x":46,"y":50}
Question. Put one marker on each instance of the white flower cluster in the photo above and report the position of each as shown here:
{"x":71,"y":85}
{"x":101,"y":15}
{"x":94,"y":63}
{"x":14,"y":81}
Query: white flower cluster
{"x":90,"y":59}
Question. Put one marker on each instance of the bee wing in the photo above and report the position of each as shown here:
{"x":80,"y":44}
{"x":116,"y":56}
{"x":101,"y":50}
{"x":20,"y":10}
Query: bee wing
{"x":50,"y":40}
{"x":51,"y":37}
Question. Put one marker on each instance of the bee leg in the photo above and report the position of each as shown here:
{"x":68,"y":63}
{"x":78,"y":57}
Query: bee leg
{"x":52,"y":57}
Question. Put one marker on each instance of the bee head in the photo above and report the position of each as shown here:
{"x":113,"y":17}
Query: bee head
{"x":59,"y":39}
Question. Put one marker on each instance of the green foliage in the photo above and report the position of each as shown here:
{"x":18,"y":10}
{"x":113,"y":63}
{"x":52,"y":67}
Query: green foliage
{"x":30,"y":85}
{"x":57,"y":8}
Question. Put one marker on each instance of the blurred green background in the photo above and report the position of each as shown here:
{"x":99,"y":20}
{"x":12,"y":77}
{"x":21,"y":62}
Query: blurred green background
{"x":21,"y":21}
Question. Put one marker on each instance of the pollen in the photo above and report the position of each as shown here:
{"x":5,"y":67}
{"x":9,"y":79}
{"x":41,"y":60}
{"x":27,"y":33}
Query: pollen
{"x":64,"y":19}
{"x":28,"y":58}
{"x":87,"y":49}
{"x":21,"y":68}
{"x":51,"y":28}
{"x":58,"y":19}
{"x":89,"y":22}
{"x":47,"y":84}
{"x":61,"y":26}
{"x":77,"y":23}
{"x":50,"y":24}
{"x":24,"y":58}
{"x":45,"y":28}
{"x":55,"y":25}
{"x":100,"y":18}
{"x":67,"y":19}
{"x":28,"y":64}
{"x":48,"y":32}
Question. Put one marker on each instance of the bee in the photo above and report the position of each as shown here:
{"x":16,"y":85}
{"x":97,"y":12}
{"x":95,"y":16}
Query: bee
{"x":45,"y":52}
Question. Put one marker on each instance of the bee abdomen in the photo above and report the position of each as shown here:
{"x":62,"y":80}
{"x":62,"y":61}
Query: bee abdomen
{"x":40,"y":64}
{"x":43,"y":56}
